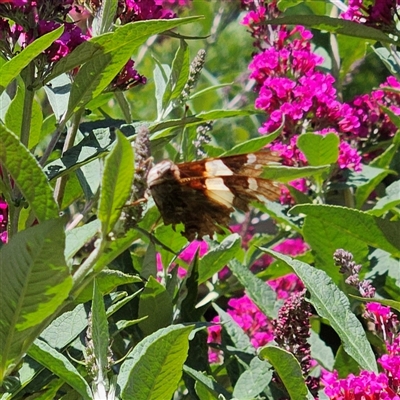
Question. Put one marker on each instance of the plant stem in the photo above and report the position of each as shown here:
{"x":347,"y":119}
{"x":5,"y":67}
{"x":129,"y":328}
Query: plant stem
{"x":69,"y":142}
{"x":28,"y":102}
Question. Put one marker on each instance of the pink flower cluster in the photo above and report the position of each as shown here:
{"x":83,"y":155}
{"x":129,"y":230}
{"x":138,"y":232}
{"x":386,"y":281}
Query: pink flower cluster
{"x":3,"y":221}
{"x":369,"y":385}
{"x":385,"y":322}
{"x":34,"y":18}
{"x":186,"y":255}
{"x":293,"y":91}
{"x":380,"y":14}
{"x":248,"y":316}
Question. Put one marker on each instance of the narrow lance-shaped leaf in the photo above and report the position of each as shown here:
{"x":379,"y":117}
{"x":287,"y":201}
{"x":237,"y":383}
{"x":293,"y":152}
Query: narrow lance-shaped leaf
{"x":334,"y":25}
{"x":253,"y":380}
{"x":28,"y":175}
{"x":156,"y":304}
{"x":108,"y":60}
{"x":116,"y":183}
{"x":11,"y":69}
{"x":178,"y":76}
{"x":334,"y":306}
{"x":356,"y":224}
{"x":252,"y":145}
{"x":14,"y":117}
{"x":289,"y":371}
{"x":34,"y":283}
{"x":59,"y":365}
{"x":154,"y":368}
{"x":99,"y":332}
{"x":258,"y":291}
{"x":215,"y":259}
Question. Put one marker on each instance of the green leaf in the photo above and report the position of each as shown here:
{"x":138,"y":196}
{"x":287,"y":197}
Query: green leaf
{"x":15,"y":112}
{"x":60,"y":366}
{"x":333,"y":305}
{"x":65,"y":328}
{"x":366,"y":181}
{"x":116,"y":184}
{"x":321,"y":352}
{"x":278,"y":213}
{"x":385,"y":159}
{"x":28,"y":175}
{"x":194,"y":120}
{"x":104,"y":17}
{"x":287,"y":174}
{"x":319,"y":149}
{"x":208,"y":382}
{"x":107,"y":281}
{"x":324,"y":239}
{"x":11,"y":69}
{"x":386,"y":203}
{"x":92,"y":146}
{"x":178,"y":76}
{"x":209,"y":89}
{"x":351,"y":49}
{"x":388,"y":59}
{"x":110,"y":52}
{"x":253,"y":380}
{"x":252,"y":145}
{"x":344,"y":364}
{"x":172,"y":243}
{"x":114,"y":249}
{"x":58,"y":91}
{"x":160,"y":75}
{"x":34,"y":282}
{"x":214,"y":260}
{"x":288,"y":369}
{"x":134,"y":34}
{"x":355,"y":225}
{"x":258,"y":291}
{"x":154,"y":368}
{"x":334,"y":25}
{"x":188,"y":296}
{"x":155,"y":303}
{"x":76,"y":238}
{"x":390,"y":303}
{"x":149,"y":263}
{"x":100,"y":336}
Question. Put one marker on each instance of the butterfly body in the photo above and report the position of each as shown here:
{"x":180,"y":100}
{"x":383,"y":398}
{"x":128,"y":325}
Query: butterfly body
{"x":203,"y":194}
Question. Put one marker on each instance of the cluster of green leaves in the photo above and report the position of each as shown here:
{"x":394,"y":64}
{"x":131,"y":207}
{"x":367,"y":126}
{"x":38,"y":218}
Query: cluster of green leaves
{"x":64,"y":276}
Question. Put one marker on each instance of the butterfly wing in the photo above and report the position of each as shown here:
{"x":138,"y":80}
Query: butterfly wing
{"x":203,"y":194}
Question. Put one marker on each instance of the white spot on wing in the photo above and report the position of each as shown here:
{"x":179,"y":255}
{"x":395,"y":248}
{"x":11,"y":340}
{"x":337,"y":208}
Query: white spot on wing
{"x":219,"y":192}
{"x":217,"y":168}
{"x":253,"y":185}
{"x":251,"y":158}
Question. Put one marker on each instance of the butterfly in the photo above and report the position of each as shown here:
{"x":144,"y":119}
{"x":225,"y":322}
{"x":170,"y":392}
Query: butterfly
{"x":202,"y":194}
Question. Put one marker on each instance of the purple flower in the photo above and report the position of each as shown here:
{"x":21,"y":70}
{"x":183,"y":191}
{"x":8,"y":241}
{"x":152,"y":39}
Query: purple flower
{"x":379,"y":15}
{"x":128,"y":77}
{"x":367,"y":386}
{"x":140,"y":10}
{"x":3,"y":221}
{"x":68,"y":41}
{"x":249,"y":317}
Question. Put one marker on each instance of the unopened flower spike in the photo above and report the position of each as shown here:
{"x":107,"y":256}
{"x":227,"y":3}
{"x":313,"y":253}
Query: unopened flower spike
{"x":194,"y":75}
{"x":351,"y":270}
